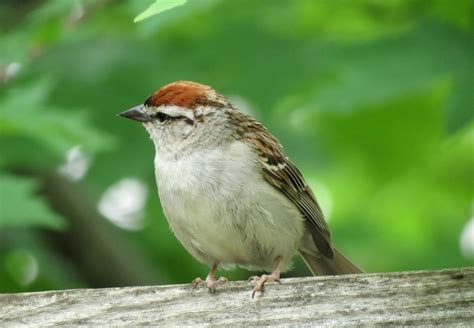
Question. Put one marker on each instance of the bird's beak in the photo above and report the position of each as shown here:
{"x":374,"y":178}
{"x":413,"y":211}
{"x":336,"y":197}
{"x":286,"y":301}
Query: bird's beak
{"x":136,"y":113}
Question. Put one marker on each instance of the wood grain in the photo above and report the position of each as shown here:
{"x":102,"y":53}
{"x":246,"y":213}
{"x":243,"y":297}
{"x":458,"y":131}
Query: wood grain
{"x":442,"y":297}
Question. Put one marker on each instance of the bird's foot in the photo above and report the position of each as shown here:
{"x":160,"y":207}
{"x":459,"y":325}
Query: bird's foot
{"x":211,"y":279}
{"x":260,"y":281}
{"x":210,"y":282}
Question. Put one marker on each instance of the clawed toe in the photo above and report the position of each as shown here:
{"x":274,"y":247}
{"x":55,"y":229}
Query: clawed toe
{"x":211,"y":279}
{"x":210,"y":283}
{"x":260,"y":281}
{"x":198,"y":281}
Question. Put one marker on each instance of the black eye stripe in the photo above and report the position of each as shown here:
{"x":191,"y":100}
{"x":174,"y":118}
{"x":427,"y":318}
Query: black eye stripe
{"x":163,"y":117}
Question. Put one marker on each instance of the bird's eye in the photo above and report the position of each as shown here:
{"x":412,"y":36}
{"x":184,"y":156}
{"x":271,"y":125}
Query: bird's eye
{"x":162,"y":117}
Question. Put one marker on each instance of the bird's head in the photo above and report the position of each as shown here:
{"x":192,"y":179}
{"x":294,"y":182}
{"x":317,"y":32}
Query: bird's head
{"x":181,"y":111}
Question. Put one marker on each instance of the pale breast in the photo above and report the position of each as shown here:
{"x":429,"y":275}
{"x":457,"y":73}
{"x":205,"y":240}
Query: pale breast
{"x":222,"y":210}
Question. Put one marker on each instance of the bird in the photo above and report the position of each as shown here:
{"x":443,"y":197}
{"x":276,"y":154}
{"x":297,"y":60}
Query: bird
{"x":228,"y":191}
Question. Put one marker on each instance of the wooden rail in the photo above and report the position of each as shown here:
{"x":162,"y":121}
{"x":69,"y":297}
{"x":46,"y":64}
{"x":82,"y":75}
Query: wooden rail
{"x":442,"y":297}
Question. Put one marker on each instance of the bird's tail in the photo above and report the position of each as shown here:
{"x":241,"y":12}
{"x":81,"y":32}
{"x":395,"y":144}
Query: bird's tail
{"x":323,"y":266}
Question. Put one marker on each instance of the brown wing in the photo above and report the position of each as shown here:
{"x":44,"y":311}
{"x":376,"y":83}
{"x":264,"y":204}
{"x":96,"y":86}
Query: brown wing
{"x":278,"y":170}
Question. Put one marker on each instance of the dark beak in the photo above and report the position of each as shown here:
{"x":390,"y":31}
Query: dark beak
{"x":136,"y":113}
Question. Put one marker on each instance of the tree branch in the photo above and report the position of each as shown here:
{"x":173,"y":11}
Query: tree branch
{"x":439,"y":297}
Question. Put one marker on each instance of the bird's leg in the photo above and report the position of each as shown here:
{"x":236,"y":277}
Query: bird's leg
{"x":260,"y":286}
{"x":211,"y":279}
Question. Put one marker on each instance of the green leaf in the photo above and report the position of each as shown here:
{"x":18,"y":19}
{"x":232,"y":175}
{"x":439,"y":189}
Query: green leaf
{"x":22,"y":266}
{"x":158,"y":7}
{"x":20,"y":206}
{"x":26,"y":113}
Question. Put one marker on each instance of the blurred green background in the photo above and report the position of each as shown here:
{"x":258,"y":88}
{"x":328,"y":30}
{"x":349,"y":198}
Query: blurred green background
{"x":371,"y":99}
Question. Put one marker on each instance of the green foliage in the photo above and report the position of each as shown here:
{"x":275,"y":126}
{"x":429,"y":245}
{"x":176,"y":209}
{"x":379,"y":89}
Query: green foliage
{"x":26,"y":115}
{"x":371,"y":99}
{"x":33,"y":211}
{"x":158,"y":7}
{"x":21,"y":266}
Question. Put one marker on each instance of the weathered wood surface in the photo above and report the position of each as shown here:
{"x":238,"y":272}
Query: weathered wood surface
{"x":444,"y":297}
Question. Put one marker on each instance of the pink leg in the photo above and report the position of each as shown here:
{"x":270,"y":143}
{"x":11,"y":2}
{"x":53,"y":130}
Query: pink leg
{"x":211,"y":279}
{"x":260,"y":286}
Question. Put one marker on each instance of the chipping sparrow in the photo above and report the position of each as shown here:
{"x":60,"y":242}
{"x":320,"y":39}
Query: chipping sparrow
{"x":230,"y":194}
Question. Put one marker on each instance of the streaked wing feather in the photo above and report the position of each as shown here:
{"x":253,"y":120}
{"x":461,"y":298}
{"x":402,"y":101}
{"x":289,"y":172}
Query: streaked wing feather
{"x":281,"y":173}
